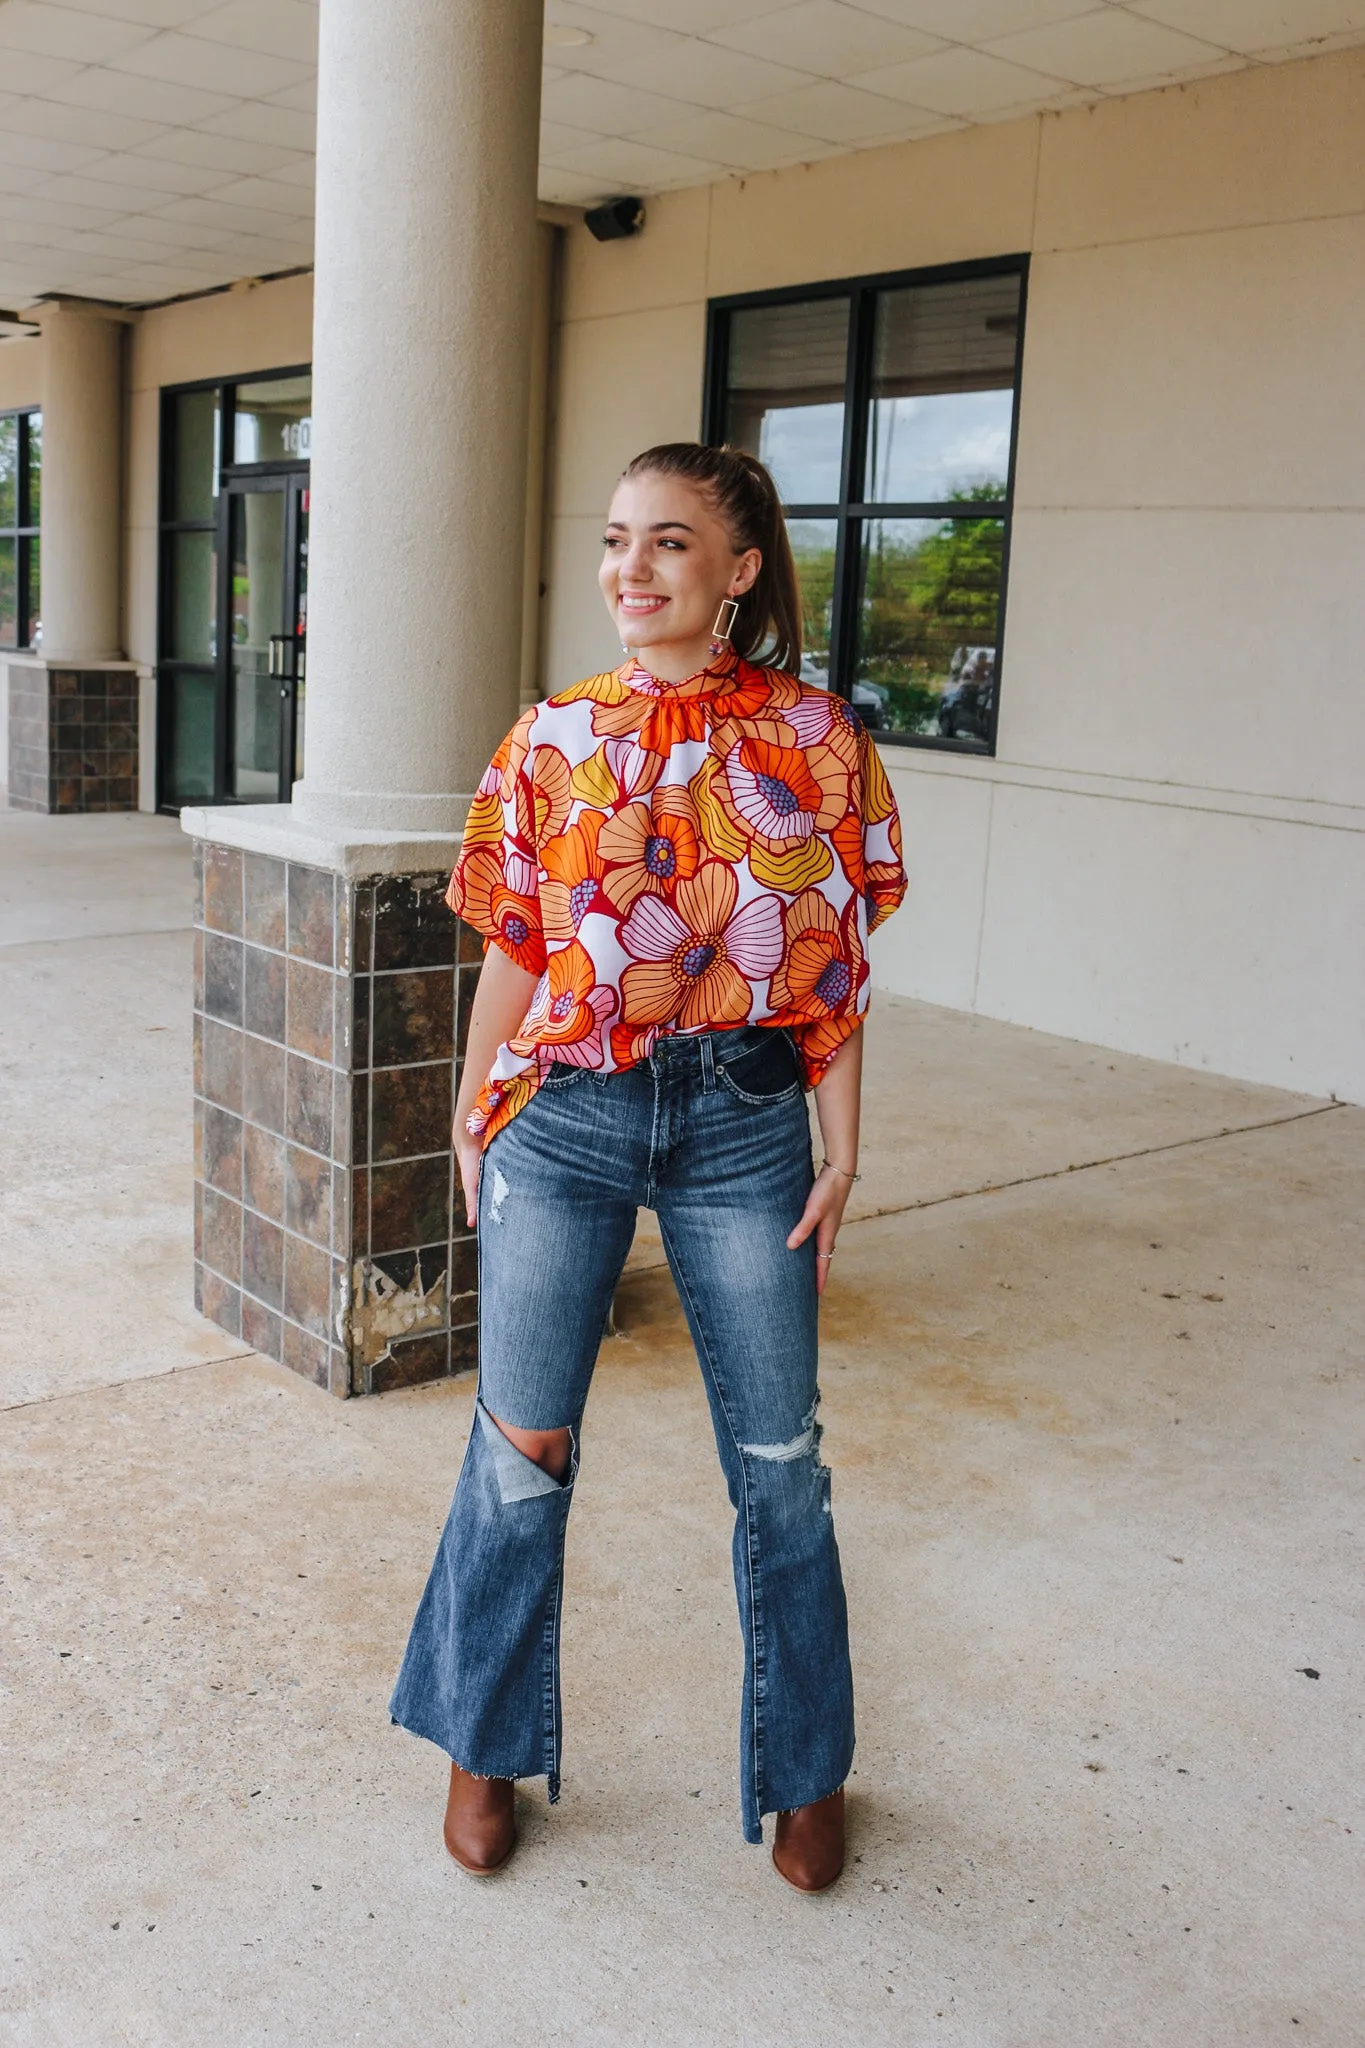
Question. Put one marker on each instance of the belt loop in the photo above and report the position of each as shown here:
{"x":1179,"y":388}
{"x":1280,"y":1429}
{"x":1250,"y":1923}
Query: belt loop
{"x":708,"y":1065}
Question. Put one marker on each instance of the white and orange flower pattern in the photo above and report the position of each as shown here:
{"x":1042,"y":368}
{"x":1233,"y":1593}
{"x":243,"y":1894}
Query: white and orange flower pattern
{"x":678,"y":857}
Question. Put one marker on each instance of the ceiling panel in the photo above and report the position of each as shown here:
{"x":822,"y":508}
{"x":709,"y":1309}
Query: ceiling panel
{"x":153,"y":146}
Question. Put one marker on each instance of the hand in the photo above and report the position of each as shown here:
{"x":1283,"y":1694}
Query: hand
{"x":467,"y":1150}
{"x":823,"y":1213}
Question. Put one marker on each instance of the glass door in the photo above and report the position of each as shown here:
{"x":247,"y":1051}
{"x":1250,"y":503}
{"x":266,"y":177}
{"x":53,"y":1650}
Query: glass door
{"x":268,"y":556}
{"x":234,"y":589}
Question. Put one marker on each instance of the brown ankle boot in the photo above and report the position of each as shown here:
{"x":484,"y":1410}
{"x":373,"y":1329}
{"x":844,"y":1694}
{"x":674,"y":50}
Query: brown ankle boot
{"x":480,"y":1829}
{"x":809,"y":1848}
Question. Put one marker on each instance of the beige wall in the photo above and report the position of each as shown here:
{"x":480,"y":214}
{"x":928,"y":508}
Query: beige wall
{"x":21,"y":374}
{"x":1168,"y":853}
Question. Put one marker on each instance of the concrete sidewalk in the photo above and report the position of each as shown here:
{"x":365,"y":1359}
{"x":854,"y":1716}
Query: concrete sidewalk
{"x":1093,"y":1392}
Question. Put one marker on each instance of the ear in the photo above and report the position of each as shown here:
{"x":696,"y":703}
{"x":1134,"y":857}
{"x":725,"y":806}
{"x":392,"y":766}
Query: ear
{"x":746,"y":572}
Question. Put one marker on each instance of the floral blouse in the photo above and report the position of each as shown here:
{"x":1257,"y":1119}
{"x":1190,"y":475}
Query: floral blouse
{"x":678,"y":857}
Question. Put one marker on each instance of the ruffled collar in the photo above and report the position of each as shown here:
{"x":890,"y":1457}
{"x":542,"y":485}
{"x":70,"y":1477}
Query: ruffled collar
{"x":714,"y":677}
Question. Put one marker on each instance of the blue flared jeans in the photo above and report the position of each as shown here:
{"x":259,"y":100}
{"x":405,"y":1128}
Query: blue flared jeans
{"x":711,"y":1132}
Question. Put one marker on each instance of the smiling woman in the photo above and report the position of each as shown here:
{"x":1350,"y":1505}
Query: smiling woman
{"x":676,"y":866}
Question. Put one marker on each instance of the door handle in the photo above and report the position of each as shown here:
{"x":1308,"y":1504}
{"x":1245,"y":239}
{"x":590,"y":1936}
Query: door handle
{"x":276,"y":657}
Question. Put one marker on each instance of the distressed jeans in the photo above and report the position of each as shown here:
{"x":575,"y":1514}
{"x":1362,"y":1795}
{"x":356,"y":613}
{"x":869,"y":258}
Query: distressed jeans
{"x":712,"y":1133}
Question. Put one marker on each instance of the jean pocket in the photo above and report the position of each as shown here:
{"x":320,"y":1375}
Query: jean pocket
{"x":766,"y":1072}
{"x":560,"y":1074}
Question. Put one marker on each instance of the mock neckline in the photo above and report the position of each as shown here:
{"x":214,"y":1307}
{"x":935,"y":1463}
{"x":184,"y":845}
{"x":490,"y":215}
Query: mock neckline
{"x":718,"y":671}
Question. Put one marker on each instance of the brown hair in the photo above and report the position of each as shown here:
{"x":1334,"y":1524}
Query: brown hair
{"x":769,"y":617}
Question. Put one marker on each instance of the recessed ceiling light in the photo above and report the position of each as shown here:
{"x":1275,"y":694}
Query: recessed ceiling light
{"x":562,"y":37}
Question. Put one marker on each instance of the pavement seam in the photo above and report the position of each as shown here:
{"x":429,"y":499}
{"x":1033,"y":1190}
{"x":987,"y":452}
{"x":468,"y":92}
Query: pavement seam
{"x":1025,"y":1180}
{"x":146,"y":931}
{"x":137,"y":1379}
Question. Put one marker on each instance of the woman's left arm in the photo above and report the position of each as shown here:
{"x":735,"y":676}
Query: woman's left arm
{"x":838,"y":1098}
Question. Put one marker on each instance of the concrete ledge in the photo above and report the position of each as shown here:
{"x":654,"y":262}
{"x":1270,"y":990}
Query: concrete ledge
{"x":275,"y":830}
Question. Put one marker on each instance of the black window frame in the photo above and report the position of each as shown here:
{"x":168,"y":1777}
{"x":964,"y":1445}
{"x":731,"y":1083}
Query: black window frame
{"x":852,"y":512}
{"x":167,"y":666}
{"x":26,"y":531}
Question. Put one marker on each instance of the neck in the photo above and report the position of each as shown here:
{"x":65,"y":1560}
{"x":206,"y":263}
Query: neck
{"x":673,"y":661}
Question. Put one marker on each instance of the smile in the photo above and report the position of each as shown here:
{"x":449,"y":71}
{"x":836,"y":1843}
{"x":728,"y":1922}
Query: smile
{"x":640,"y":604}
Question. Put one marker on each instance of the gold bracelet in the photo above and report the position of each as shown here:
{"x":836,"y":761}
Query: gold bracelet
{"x":839,"y":1169}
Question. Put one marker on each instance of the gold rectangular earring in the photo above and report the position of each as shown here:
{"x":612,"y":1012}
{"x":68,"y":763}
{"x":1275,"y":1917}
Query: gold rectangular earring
{"x":724,"y":625}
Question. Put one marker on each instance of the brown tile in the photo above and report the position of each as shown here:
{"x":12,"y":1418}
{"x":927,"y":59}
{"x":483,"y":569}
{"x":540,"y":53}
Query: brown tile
{"x":199,"y":1219}
{"x":343,"y":1087}
{"x":311,"y":913}
{"x":262,"y":1259}
{"x":413,"y":926}
{"x":360,"y":1119}
{"x":197,"y":1053}
{"x":199,"y":1287}
{"x":308,"y":1106}
{"x":262,"y":1329}
{"x":339,"y":1377}
{"x":200,"y":1108}
{"x":223,"y":977}
{"x":222,"y":1075}
{"x":308,"y":1286}
{"x":263,"y":912}
{"x":464,"y":1348}
{"x":414,"y":1017}
{"x":342,"y":1199}
{"x":311,"y":993}
{"x":409,"y":1111}
{"x":222,"y":1150}
{"x":198,"y":969}
{"x":308,"y":1194}
{"x":122,"y":764}
{"x":355,"y":926}
{"x":263,"y":993}
{"x":469,"y":981}
{"x":409,"y":1203}
{"x":198,"y":845}
{"x":360,"y":1212}
{"x":470,"y":944}
{"x":411,"y":1363}
{"x":221,"y":1303}
{"x":223,"y":1235}
{"x":306,"y":1354}
{"x":351,"y":1026}
{"x":122,"y":794}
{"x":64,"y":682}
{"x":67,"y":795}
{"x":123,"y":739}
{"x":464,"y":1264}
{"x":263,"y":1172}
{"x":263,"y":1090}
{"x":223,"y":889}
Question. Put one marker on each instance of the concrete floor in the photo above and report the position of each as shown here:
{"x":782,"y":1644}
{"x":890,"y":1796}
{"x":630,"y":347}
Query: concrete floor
{"x":1093,"y":1391}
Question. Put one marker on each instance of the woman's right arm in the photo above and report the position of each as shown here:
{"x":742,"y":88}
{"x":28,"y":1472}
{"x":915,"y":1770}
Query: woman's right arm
{"x":500,"y":1002}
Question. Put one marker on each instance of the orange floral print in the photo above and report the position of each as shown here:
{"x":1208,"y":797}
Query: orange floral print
{"x":678,"y":857}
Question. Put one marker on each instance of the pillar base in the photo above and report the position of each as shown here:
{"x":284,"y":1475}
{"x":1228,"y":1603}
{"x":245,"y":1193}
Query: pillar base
{"x":330,"y":1016}
{"x":73,"y":735}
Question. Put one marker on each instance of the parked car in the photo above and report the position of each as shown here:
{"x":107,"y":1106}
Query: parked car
{"x":967,"y":705}
{"x":869,"y":701}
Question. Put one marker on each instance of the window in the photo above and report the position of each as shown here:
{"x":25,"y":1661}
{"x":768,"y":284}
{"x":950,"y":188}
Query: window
{"x":21,"y":468}
{"x":234,"y":588}
{"x":886,"y":409}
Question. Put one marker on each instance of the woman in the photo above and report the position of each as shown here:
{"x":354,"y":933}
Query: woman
{"x":675,"y":867}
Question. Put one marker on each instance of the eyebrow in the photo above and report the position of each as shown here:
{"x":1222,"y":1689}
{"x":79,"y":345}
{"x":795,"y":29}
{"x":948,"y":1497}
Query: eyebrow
{"x":659,"y":526}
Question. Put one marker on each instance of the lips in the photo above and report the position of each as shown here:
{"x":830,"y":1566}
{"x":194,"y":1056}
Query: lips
{"x":640,"y":607}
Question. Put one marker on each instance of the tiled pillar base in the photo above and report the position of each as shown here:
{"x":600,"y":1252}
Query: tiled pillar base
{"x":72,"y":737}
{"x":329,"y":1015}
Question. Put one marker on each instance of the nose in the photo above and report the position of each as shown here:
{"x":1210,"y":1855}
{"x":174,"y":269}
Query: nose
{"x":636,"y":567}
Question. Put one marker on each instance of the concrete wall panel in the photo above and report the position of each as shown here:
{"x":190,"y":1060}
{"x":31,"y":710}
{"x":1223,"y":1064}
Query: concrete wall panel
{"x":929,"y":948}
{"x":939,"y":201}
{"x":1206,"y":938}
{"x":579,"y":636}
{"x":21,"y":374}
{"x":1218,"y":369}
{"x":1212,"y":649}
{"x":664,"y":266}
{"x":1277,"y":143}
{"x":624,"y":382}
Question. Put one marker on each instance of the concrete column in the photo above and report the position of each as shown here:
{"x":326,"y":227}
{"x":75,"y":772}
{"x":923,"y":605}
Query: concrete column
{"x":426,"y":223}
{"x":82,"y":439}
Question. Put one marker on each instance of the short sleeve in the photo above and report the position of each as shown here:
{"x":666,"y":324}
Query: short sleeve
{"x":495,"y":883}
{"x":870,"y":845}
{"x":884,"y":878}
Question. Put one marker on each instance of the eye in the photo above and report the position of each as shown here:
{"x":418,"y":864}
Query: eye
{"x":667,"y":542}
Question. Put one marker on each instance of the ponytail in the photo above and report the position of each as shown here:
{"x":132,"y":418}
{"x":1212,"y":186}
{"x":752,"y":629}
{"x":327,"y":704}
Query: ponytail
{"x":768,"y":623}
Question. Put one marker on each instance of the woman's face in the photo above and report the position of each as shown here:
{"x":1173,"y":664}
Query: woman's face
{"x":668,"y":561}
